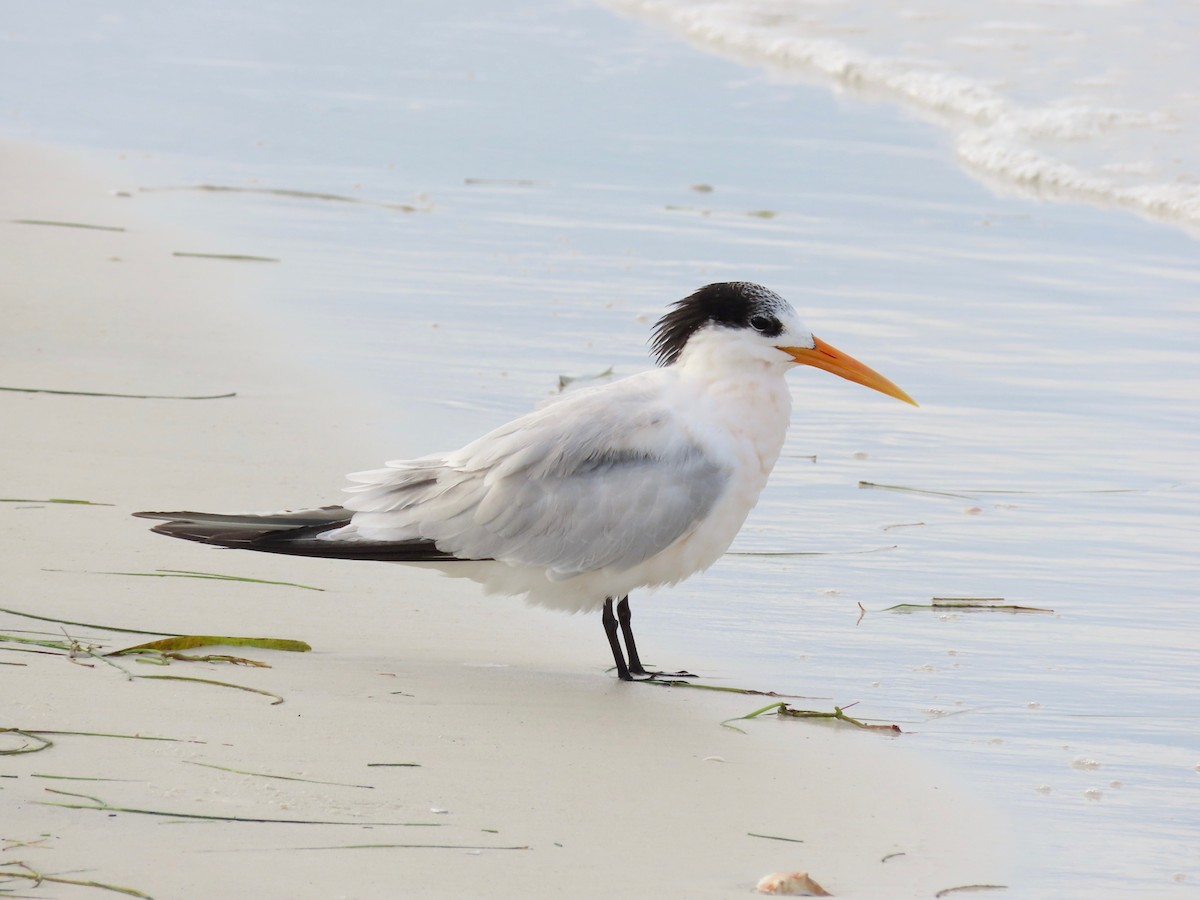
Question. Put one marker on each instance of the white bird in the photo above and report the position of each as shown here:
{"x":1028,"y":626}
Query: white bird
{"x":638,"y":483}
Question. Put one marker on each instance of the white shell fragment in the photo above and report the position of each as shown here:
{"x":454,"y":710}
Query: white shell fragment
{"x":792,"y":883}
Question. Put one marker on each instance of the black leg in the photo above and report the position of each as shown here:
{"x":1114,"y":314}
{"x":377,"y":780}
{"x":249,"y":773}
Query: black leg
{"x":635,"y":667}
{"x":624,"y":616}
{"x":610,"y":629}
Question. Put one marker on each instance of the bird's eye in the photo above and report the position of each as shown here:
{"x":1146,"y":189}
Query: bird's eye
{"x":765,"y":324}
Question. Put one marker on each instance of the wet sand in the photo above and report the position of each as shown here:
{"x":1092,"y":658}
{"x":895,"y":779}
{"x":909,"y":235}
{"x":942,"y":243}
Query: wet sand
{"x":488,"y":737}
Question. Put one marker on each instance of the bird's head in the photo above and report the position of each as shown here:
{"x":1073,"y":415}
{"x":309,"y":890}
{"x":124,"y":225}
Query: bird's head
{"x":754,"y":323}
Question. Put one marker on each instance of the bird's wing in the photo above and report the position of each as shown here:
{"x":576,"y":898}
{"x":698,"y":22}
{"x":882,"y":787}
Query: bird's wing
{"x":605,"y":477}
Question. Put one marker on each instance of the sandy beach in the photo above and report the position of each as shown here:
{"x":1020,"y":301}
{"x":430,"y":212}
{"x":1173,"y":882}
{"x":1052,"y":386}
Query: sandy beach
{"x":458,"y":745}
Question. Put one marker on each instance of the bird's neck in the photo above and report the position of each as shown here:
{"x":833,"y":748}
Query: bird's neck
{"x":749,"y":398}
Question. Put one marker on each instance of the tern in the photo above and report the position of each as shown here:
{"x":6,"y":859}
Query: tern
{"x":638,"y":483}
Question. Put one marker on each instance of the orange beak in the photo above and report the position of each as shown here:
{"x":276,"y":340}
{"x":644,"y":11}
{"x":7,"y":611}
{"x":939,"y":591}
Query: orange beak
{"x":824,"y":356}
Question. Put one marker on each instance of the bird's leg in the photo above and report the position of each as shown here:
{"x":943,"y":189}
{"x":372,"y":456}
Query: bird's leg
{"x":610,"y":629}
{"x":625,"y":617}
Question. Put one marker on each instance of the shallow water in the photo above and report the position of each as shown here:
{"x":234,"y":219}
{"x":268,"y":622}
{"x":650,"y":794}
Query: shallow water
{"x":1052,"y":346}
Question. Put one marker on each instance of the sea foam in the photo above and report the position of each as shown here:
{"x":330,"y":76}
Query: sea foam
{"x":1039,"y":105}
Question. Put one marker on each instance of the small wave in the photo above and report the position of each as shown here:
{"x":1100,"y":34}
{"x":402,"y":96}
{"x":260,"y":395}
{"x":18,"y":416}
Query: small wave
{"x":1007,"y":164}
{"x":1043,"y":150}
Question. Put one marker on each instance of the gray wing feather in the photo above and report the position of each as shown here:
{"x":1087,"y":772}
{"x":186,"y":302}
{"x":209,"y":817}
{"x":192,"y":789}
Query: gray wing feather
{"x":559,"y":488}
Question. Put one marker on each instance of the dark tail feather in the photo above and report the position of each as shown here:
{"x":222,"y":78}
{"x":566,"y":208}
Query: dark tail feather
{"x":293,"y":533}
